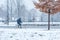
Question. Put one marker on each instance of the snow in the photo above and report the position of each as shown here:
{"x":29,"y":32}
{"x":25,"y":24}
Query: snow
{"x":29,"y":34}
{"x":55,"y":0}
{"x":10,"y":24}
{"x":1,"y":18}
{"x":29,"y":4}
{"x":54,"y":25}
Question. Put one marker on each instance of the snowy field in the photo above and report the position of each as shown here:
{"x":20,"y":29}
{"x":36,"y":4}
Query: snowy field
{"x":29,"y":34}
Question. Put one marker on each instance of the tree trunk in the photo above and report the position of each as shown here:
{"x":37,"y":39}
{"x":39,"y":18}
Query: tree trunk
{"x":7,"y":21}
{"x":49,"y":19}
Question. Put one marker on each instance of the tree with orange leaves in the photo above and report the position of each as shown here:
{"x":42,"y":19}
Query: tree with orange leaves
{"x":44,"y":5}
{"x":48,"y":6}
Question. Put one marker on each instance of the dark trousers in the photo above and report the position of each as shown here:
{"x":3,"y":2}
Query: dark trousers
{"x":19,"y":26}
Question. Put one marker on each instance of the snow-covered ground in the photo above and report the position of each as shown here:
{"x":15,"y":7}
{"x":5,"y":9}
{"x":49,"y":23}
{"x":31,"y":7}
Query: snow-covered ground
{"x":29,"y":34}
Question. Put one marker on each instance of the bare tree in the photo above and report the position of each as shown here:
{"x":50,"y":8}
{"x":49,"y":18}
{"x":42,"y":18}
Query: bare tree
{"x":18,"y":7}
{"x":7,"y":21}
{"x":11,"y":9}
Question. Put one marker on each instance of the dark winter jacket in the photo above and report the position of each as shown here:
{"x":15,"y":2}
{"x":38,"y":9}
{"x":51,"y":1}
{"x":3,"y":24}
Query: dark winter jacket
{"x":19,"y":21}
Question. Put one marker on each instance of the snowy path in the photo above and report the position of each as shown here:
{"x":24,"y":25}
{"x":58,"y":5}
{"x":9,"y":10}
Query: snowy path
{"x":31,"y":25}
{"x":29,"y":34}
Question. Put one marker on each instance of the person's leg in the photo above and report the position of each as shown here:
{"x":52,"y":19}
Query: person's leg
{"x":20,"y":26}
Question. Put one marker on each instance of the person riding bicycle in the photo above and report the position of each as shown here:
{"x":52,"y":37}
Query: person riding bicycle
{"x":19,"y":22}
